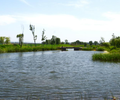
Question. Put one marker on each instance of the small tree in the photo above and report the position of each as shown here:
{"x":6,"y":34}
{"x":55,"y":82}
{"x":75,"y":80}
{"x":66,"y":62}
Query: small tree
{"x":62,"y":43}
{"x":7,"y":40}
{"x":106,"y":44}
{"x":32,"y":28}
{"x":77,"y":42}
{"x":53,"y":40}
{"x":20,"y":36}
{"x":66,"y":41}
{"x":2,"y":40}
{"x":90,"y":42}
{"x":112,"y":41}
{"x":85,"y":44}
{"x":102,"y":40}
{"x":43,"y":35}
{"x":48,"y":41}
{"x":95,"y":42}
{"x":57,"y":40}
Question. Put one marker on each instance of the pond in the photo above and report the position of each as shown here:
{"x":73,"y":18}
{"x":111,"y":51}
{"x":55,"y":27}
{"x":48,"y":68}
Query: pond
{"x":51,"y":75}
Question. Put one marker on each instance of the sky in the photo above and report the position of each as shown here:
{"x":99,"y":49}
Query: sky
{"x":83,"y":20}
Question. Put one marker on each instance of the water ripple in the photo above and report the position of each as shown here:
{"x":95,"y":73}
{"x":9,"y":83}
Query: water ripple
{"x":57,"y":75}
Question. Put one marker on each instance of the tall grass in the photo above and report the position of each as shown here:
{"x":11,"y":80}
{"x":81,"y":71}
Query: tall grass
{"x":114,"y":57}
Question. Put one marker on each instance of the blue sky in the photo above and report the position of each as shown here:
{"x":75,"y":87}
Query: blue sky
{"x":83,"y":20}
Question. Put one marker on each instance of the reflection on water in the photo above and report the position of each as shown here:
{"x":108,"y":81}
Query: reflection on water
{"x":57,"y":75}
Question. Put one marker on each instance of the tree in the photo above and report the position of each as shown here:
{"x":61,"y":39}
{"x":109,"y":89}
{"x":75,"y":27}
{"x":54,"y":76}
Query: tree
{"x":77,"y":42}
{"x":62,"y":43}
{"x":7,"y":40}
{"x":112,"y":41}
{"x":102,"y":40}
{"x":85,"y":44}
{"x":53,"y":39}
{"x":66,"y":41}
{"x":95,"y":42}
{"x":43,"y":36}
{"x":2,"y":40}
{"x":20,"y":36}
{"x":90,"y":42}
{"x":115,"y":41}
{"x":32,"y":28}
{"x":57,"y":40}
{"x":48,"y":41}
{"x":106,"y":44}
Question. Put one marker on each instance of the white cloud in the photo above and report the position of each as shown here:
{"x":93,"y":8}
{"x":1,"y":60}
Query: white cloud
{"x":67,"y":21}
{"x":112,"y":15}
{"x":24,"y":1}
{"x":71,"y":22}
{"x":7,"y":19}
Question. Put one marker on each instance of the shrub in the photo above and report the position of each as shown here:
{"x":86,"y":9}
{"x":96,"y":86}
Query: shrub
{"x":100,"y":49}
{"x":106,"y":44}
{"x":113,"y":47}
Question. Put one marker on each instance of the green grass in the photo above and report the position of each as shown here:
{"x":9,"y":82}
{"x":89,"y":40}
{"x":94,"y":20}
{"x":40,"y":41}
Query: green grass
{"x":114,"y":57}
{"x":29,"y":47}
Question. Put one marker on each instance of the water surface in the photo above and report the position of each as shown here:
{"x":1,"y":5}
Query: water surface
{"x":52,"y":75}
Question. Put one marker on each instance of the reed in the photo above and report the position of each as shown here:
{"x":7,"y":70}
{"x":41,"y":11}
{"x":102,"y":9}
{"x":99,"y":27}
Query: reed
{"x":114,"y":57}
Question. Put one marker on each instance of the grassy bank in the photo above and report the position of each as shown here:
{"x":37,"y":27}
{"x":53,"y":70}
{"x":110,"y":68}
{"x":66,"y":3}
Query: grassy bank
{"x":112,"y":56}
{"x":107,"y":57}
{"x":29,"y":47}
{"x":41,"y":47}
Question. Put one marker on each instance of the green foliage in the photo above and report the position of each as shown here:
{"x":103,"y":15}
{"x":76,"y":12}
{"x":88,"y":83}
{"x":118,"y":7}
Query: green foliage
{"x":62,"y":43}
{"x":4,"y":40}
{"x":7,"y":40}
{"x":95,"y":42}
{"x":48,"y":41}
{"x":77,"y":43}
{"x":43,"y":36}
{"x":106,"y":44}
{"x":66,"y":41}
{"x":90,"y":42}
{"x":115,"y":41}
{"x":53,"y":40}
{"x":57,"y":40}
{"x":85,"y":44}
{"x":113,"y":47}
{"x":100,"y":49}
{"x":117,"y":50}
{"x":20,"y":36}
{"x":32,"y":28}
{"x":102,"y":40}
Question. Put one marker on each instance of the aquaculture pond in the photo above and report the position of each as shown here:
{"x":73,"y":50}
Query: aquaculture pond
{"x":57,"y":75}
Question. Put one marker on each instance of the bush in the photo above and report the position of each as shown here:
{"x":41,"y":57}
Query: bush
{"x":100,"y":49}
{"x":113,"y":47}
{"x":106,"y":44}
